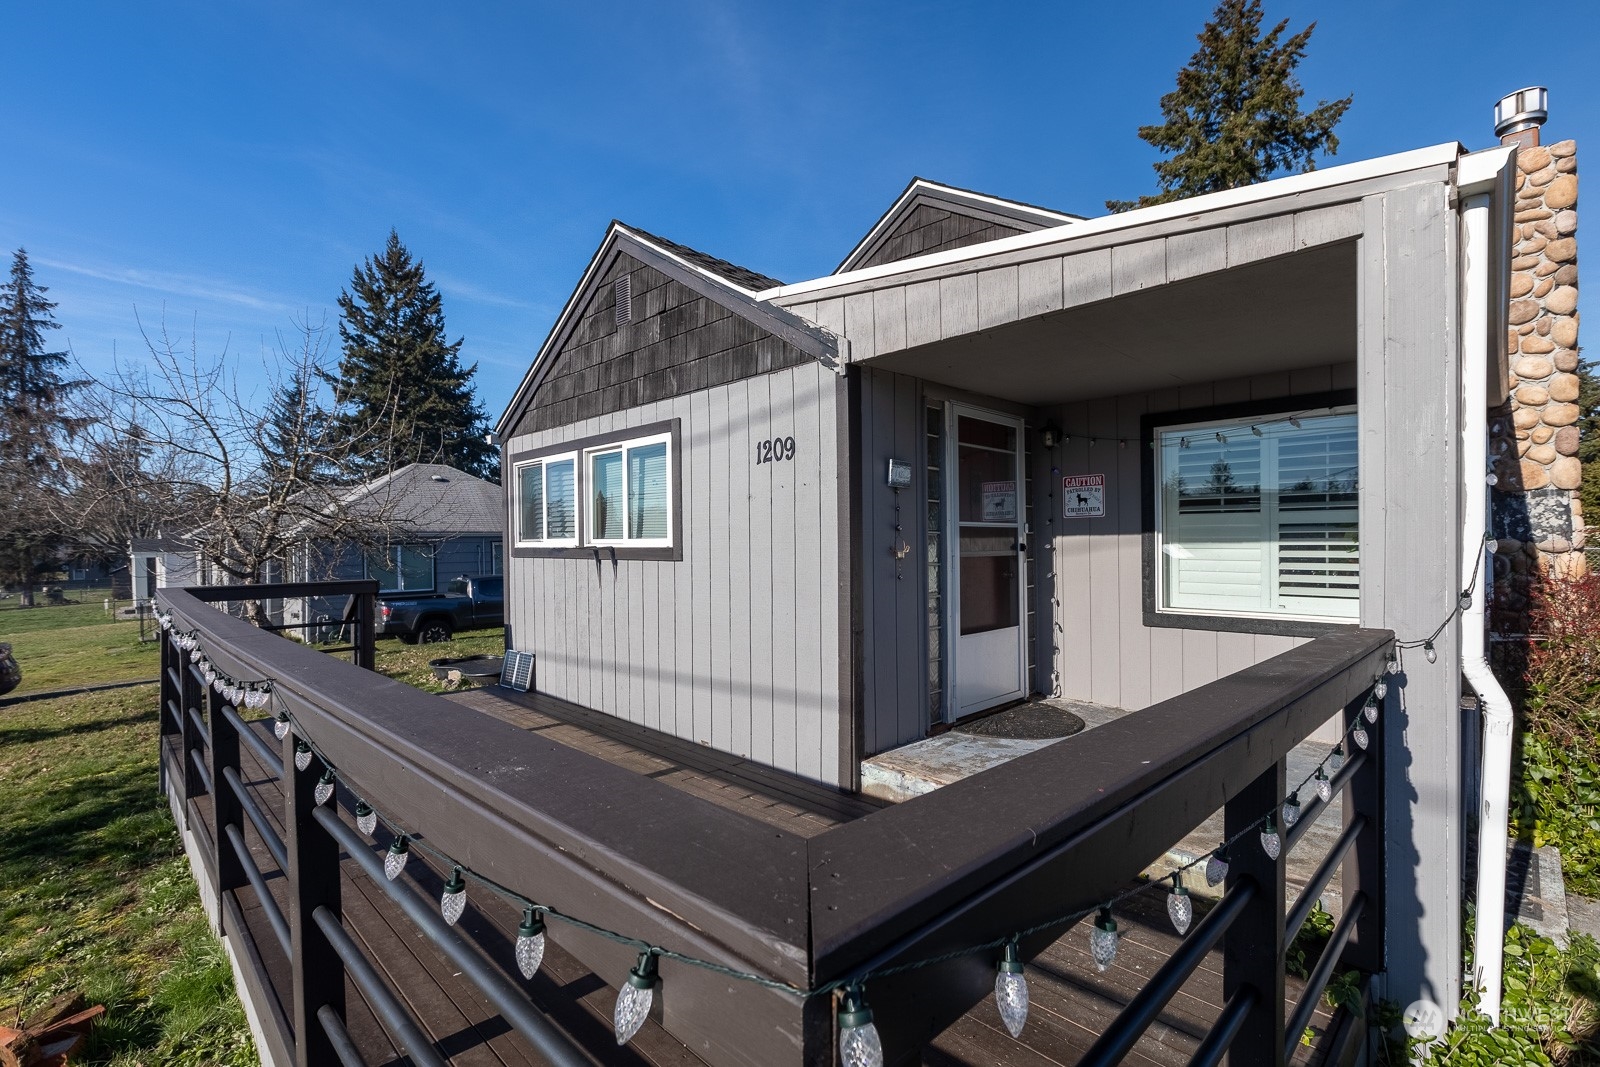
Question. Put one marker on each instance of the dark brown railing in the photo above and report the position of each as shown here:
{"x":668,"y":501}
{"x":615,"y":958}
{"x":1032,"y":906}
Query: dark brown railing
{"x":357,"y":624}
{"x":1057,"y":830}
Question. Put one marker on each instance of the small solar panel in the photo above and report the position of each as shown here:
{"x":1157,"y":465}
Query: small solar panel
{"x":518,"y":672}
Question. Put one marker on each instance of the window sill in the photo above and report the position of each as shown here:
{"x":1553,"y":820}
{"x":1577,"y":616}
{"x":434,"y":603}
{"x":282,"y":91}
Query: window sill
{"x":601,"y":553}
{"x":1284,"y":627}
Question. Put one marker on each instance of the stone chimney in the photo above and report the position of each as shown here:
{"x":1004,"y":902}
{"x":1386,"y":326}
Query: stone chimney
{"x":1537,"y":509}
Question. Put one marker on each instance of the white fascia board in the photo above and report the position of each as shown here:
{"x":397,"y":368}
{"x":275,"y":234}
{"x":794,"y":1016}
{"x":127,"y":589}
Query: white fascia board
{"x":1398,"y":163}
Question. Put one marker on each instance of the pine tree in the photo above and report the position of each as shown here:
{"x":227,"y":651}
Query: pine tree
{"x":400,"y":377}
{"x":1589,"y":447}
{"x":1235,"y":117}
{"x":33,"y":393}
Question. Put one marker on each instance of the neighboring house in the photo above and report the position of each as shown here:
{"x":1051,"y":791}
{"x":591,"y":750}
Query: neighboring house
{"x":159,"y":561}
{"x":1003,"y":452}
{"x":425,"y":524}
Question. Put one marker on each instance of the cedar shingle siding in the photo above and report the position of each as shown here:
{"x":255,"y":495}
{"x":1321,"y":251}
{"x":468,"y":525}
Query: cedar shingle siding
{"x":677,"y":343}
{"x":929,"y":229}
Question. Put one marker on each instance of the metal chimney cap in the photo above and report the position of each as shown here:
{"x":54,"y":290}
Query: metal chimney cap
{"x":1524,"y":109}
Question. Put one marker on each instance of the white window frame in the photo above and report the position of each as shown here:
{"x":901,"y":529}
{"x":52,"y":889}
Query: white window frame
{"x":587,"y":511}
{"x":516,"y":502}
{"x":1234,"y":427}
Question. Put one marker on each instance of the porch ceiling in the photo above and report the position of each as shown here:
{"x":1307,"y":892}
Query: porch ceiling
{"x":1274,"y":315}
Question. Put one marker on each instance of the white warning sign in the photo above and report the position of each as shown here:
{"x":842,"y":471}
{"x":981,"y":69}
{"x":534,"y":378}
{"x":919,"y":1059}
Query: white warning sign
{"x":1083,"y":496}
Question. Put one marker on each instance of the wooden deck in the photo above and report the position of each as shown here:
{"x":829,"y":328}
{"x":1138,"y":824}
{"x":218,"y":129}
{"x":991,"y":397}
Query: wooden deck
{"x":1071,"y":1002}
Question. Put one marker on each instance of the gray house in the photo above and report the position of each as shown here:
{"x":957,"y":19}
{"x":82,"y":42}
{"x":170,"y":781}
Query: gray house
{"x":1004,"y":452}
{"x":414,"y":530}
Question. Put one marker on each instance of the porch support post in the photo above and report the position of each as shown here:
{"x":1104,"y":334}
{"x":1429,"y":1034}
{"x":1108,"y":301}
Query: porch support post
{"x":1409,"y":399}
{"x":313,"y":882}
{"x":1362,"y":871}
{"x":1252,"y":949}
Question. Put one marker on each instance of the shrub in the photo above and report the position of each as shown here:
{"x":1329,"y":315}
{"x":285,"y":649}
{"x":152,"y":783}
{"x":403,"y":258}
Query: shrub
{"x":1558,"y":799}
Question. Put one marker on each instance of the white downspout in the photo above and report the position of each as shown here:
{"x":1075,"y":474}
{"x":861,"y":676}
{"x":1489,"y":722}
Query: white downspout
{"x":1478,"y":315}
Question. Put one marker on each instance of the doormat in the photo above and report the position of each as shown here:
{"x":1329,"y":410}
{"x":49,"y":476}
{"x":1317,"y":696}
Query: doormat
{"x":1028,"y":722}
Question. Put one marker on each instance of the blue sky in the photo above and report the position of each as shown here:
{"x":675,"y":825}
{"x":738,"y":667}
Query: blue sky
{"x":225,"y":166}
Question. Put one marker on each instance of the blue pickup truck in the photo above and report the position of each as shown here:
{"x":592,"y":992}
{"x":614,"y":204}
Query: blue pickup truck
{"x":466,"y":604}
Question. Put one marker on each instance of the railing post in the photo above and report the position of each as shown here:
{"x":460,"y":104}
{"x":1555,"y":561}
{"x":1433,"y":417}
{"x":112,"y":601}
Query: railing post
{"x":168,"y":695}
{"x":224,"y":802}
{"x":1253,"y":948}
{"x":313,"y":882}
{"x":367,"y":631}
{"x":1363,"y":867}
{"x":189,"y":697}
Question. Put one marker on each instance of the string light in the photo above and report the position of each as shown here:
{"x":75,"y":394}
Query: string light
{"x":637,"y":994}
{"x":366,"y":818}
{"x":1324,"y":786}
{"x":1359,"y":736}
{"x":324,"y":789}
{"x":1180,"y":908}
{"x":1103,"y":940}
{"x":454,"y":899}
{"x":395,"y":861}
{"x":1011,"y":990}
{"x":859,"y":1043}
{"x":280,"y":729}
{"x":530,"y":942}
{"x":1291,"y":810}
{"x":1217,"y":866}
{"x":1271,"y":843}
{"x":1428,"y":650}
{"x":302,"y":755}
{"x":1370,"y":710}
{"x":1336,"y":759}
{"x":1380,"y":688}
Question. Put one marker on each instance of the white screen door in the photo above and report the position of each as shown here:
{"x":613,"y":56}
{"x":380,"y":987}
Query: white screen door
{"x":987,"y":522}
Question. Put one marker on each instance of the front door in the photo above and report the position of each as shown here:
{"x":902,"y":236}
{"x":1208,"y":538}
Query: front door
{"x":987,"y":586}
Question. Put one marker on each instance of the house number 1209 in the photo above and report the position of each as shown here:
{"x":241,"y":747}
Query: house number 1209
{"x":774,"y":451}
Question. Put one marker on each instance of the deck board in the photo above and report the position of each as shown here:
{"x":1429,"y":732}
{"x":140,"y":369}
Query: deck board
{"x":1071,"y":1001}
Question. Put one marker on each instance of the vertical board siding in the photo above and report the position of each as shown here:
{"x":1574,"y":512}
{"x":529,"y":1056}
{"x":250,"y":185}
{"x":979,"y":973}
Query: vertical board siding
{"x":1102,"y":650}
{"x":895,"y":627}
{"x":706,"y":648}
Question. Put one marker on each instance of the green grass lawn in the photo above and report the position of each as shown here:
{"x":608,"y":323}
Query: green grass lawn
{"x":63,"y":646}
{"x":95,"y":893}
{"x":409,"y":663}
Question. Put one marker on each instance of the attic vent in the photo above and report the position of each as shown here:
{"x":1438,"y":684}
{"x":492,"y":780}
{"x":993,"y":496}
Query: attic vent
{"x":624,"y":299}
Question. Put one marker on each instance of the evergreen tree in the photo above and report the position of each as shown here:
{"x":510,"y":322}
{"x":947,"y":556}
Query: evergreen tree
{"x":1235,"y":117}
{"x":32,"y":396}
{"x":400,"y":377}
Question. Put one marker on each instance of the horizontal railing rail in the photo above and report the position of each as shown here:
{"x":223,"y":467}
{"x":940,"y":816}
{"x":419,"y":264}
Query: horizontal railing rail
{"x":905,"y":899}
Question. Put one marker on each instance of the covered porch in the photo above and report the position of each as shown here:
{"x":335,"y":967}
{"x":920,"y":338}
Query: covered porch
{"x":1127,"y":359}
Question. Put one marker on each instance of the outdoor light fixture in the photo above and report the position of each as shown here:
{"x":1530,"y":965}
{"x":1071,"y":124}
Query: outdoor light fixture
{"x":636,"y":995}
{"x":395,"y":861}
{"x":1336,"y":759}
{"x":1011,"y":991}
{"x":1359,"y":736}
{"x":1324,"y":786}
{"x":1180,"y":909}
{"x":324,"y":788}
{"x":1103,"y":940}
{"x":366,"y":818}
{"x":1050,"y":435}
{"x":859,"y":1044}
{"x":1380,"y":689}
{"x":1428,"y":650}
{"x":1371,"y":710}
{"x":280,"y":729}
{"x":454,"y":899}
{"x":302,"y":755}
{"x":530,"y":942}
{"x":1291,"y":810}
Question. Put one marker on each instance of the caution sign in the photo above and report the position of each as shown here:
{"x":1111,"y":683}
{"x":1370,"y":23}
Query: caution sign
{"x":1083,"y":496}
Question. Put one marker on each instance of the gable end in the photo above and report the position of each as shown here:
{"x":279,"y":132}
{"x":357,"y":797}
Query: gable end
{"x":678,"y":341}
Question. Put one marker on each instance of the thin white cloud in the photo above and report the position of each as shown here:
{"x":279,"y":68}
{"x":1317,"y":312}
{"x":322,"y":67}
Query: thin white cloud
{"x":195,"y":288}
{"x":453,"y":286}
